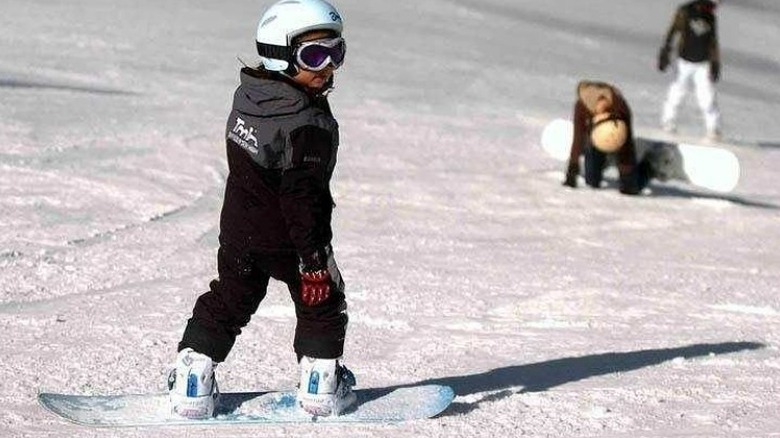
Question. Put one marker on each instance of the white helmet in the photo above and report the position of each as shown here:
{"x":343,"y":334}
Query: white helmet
{"x":287,"y":19}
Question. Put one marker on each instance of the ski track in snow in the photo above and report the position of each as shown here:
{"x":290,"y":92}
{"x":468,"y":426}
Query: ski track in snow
{"x":551,"y":312}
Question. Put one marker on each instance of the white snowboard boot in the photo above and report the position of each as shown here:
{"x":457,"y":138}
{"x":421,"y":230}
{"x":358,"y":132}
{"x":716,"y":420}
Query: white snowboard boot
{"x":192,"y":387}
{"x":325,"y":387}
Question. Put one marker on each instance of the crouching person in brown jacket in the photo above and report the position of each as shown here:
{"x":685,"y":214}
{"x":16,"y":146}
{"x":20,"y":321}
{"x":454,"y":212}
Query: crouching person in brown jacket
{"x":603,"y":132}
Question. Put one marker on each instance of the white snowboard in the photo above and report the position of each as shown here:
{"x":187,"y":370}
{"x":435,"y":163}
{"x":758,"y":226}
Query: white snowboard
{"x":710,"y":167}
{"x":383,"y":405}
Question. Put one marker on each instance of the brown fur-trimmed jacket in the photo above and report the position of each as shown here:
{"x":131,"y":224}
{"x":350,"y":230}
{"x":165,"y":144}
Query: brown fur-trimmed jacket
{"x":588,"y":93}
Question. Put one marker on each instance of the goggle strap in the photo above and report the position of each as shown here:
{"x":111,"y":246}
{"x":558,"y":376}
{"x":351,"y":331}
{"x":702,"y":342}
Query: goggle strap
{"x":273,"y":51}
{"x":283,"y":53}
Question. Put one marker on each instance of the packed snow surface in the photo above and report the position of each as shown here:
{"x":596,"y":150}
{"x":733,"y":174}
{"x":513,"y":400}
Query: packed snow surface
{"x":551,"y":312}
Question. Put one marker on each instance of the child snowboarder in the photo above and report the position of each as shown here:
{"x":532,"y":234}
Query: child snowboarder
{"x":602,"y":131}
{"x":276,"y":217}
{"x":698,"y":61}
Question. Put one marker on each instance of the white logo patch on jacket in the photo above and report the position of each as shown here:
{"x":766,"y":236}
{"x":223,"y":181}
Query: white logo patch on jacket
{"x":700,"y":27}
{"x":244,"y":136}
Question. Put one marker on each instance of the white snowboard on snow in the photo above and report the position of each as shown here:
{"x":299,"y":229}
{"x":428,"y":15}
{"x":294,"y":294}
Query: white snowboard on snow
{"x":710,"y":167}
{"x":382,"y":405}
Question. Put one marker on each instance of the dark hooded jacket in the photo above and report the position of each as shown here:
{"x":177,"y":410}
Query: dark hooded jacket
{"x":696,"y":25}
{"x":281,"y":150}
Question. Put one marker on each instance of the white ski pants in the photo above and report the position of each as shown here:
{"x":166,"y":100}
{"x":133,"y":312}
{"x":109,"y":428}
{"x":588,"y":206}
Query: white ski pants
{"x":699,"y":74}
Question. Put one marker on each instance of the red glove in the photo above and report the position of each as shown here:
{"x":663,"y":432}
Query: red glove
{"x":315,"y":286}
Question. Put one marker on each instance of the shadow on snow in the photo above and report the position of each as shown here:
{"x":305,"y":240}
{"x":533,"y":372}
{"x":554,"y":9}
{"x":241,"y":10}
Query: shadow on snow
{"x":541,"y":376}
{"x":40,"y":85}
{"x":769,"y":144}
{"x":665,"y":190}
{"x":659,"y":189}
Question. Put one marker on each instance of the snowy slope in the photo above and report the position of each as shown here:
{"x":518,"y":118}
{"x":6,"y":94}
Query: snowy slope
{"x":551,"y":312}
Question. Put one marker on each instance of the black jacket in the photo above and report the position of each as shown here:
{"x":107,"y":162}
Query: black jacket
{"x":696,"y":25}
{"x":587,"y":93}
{"x":282,"y":144}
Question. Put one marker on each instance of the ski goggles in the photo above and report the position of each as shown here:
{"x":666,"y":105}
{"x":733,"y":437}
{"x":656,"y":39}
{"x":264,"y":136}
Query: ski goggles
{"x":318,"y":54}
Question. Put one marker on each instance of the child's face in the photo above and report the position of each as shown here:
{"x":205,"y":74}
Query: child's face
{"x":314,"y":80}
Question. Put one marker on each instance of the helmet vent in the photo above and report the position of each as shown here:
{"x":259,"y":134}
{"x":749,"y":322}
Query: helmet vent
{"x":268,"y":21}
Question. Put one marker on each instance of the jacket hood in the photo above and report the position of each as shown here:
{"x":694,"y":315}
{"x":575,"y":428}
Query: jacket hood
{"x":589,"y":92}
{"x":268,"y":96}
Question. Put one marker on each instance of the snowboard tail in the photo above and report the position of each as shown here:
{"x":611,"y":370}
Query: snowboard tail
{"x":704,"y":166}
{"x":384,"y":405}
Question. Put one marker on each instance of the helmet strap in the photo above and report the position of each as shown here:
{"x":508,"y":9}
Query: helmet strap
{"x":329,"y":86}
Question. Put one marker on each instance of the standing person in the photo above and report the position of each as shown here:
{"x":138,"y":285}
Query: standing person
{"x":602,"y":132}
{"x":275,"y":223}
{"x":698,"y":61}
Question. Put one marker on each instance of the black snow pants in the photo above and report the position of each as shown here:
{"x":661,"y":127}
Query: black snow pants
{"x":596,"y":161}
{"x":221,"y":313}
